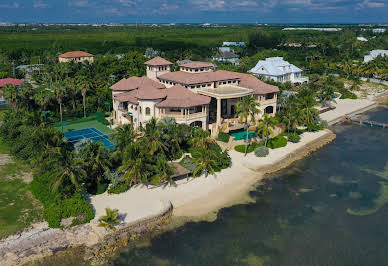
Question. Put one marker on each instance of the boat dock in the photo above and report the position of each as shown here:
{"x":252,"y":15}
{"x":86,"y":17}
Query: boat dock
{"x":368,"y":123}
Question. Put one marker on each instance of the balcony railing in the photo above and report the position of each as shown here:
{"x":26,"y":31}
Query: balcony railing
{"x":179,"y":117}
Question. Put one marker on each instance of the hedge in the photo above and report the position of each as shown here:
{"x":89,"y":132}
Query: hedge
{"x":295,"y":138}
{"x":251,"y":147}
{"x":277,"y":142}
{"x":223,"y":137}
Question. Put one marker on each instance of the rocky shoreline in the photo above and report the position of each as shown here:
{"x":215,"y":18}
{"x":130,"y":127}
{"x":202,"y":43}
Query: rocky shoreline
{"x":41,"y":241}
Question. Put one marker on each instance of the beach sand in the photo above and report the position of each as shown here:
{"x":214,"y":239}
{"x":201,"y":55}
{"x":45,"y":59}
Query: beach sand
{"x":202,"y":195}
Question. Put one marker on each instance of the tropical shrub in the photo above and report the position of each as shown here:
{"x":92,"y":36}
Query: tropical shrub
{"x":223,"y":137}
{"x":110,"y":219}
{"x":277,"y":142}
{"x":261,"y":151}
{"x":120,"y":188}
{"x":56,"y":207}
{"x":314,"y":127}
{"x":294,"y":138}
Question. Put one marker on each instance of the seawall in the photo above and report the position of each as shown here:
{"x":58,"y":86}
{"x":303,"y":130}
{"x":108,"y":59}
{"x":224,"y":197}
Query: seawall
{"x":97,"y":241}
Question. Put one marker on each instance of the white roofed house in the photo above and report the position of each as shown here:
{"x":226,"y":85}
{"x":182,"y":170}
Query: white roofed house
{"x":279,"y":70}
{"x":227,"y":57}
{"x":196,"y":95}
{"x":374,"y":54}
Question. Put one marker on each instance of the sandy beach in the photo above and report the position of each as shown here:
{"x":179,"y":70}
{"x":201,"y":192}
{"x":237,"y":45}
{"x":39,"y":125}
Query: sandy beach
{"x":201,"y":195}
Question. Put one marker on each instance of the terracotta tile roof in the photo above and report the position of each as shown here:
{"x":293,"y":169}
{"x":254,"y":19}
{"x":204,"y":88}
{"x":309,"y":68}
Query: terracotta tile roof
{"x":127,"y":97}
{"x":158,"y":61}
{"x":134,"y":83}
{"x":11,"y":81}
{"x":187,"y":78}
{"x":196,"y":65}
{"x":136,"y":88}
{"x":75,"y":54}
{"x":180,"y":97}
{"x":251,"y":82}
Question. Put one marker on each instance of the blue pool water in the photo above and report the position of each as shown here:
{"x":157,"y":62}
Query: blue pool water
{"x":241,"y":134}
{"x":93,"y":134}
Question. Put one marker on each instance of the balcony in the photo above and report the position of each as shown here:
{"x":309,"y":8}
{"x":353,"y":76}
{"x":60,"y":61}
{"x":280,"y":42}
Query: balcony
{"x":182,"y":117}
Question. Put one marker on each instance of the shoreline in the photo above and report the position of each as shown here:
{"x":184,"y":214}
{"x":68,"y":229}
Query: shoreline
{"x":192,"y":199}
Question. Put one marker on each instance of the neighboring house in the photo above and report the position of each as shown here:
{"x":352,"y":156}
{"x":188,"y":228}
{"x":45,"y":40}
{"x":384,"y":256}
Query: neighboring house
{"x":224,"y":49}
{"x":227,"y":57}
{"x":76,"y":56}
{"x":242,"y":44}
{"x":7,"y":81}
{"x":195,"y":95}
{"x":374,"y":54}
{"x":362,"y":39}
{"x":378,"y":30}
{"x":151,"y":53}
{"x":28,"y":70}
{"x":276,"y":69}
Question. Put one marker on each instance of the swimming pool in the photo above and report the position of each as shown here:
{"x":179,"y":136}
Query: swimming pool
{"x":241,"y":134}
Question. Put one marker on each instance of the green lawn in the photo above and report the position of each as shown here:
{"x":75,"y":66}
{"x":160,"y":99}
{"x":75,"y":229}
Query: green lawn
{"x":18,"y":208}
{"x":88,"y":124}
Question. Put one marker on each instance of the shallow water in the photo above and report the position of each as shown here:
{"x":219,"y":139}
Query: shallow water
{"x":328,"y":209}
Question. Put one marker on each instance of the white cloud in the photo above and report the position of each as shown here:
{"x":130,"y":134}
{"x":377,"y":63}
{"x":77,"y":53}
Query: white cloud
{"x":40,"y":4}
{"x":370,"y":4}
{"x":79,"y":3}
{"x":13,"y":5}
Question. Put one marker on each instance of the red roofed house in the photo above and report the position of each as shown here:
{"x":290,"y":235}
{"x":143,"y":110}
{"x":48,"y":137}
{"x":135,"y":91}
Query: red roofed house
{"x":76,"y":56}
{"x":8,"y":81}
{"x":196,"y":95}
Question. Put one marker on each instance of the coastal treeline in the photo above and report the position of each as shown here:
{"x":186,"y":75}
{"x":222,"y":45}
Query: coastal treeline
{"x":314,"y":51}
{"x":65,"y":174}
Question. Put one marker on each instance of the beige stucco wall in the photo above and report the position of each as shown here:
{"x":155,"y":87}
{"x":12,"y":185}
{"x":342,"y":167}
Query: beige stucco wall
{"x":76,"y":59}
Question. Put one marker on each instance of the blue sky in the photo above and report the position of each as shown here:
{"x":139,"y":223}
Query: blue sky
{"x":195,"y":11}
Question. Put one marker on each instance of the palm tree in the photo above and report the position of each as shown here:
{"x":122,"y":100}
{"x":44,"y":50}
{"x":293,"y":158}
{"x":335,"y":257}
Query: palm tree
{"x":201,"y":138}
{"x":42,"y":97}
{"x":135,"y":165}
{"x":72,"y":172}
{"x":306,"y":103}
{"x":124,"y":136}
{"x":153,"y":137}
{"x":247,"y":109}
{"x":163,"y":171}
{"x":327,"y":95}
{"x":71,"y":88}
{"x":110,"y":219}
{"x":59,"y":92}
{"x":96,"y":160}
{"x":205,"y":161}
{"x":11,"y":94}
{"x":84,"y":84}
{"x":265,"y":126}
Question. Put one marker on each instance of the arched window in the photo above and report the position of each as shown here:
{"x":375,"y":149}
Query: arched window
{"x":140,"y":109}
{"x":268,"y":110}
{"x":148,"y":111}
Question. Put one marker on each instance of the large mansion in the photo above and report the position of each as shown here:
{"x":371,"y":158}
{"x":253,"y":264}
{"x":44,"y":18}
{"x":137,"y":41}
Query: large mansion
{"x":196,"y":95}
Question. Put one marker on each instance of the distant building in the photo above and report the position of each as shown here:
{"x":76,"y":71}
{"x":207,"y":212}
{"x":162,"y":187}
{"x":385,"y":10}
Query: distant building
{"x":374,"y":54}
{"x":378,"y":30}
{"x":362,"y":39}
{"x":316,"y":29}
{"x":76,"y":56}
{"x":224,"y":49}
{"x":242,"y":44}
{"x":151,"y":53}
{"x":227,"y":57}
{"x":276,"y":69}
{"x":28,"y":70}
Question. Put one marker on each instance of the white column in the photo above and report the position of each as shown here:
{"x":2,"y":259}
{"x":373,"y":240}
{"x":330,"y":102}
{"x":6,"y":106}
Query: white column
{"x":218,"y":112}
